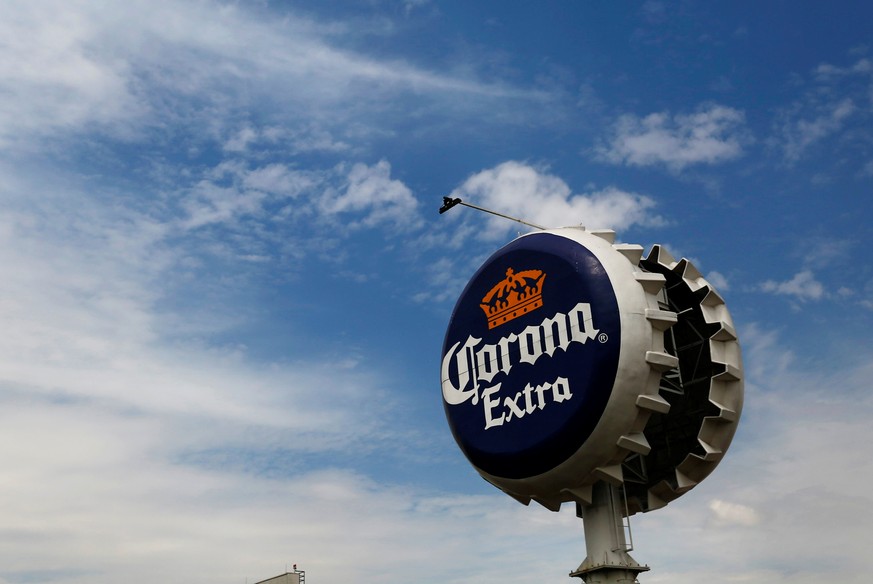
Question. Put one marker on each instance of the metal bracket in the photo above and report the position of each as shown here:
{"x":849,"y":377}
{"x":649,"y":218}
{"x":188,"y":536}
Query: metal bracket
{"x":449,"y":202}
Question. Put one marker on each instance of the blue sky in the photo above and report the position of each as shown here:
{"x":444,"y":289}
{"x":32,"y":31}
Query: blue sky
{"x":224,"y":282}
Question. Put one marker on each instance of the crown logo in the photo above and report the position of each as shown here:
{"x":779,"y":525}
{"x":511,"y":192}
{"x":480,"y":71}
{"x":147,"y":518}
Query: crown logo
{"x":516,"y":295}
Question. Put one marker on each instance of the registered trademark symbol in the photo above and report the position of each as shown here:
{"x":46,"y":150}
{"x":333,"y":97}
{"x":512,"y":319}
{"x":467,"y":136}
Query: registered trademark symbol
{"x":602,"y":337}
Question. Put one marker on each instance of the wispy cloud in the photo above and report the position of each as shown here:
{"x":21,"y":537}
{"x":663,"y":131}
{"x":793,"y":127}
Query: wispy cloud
{"x":823,"y":111}
{"x":797,"y":135}
{"x":712,"y":134}
{"x":232,"y":191}
{"x":826,"y":71}
{"x":87,"y":288}
{"x":67,"y":67}
{"x":803,"y":286}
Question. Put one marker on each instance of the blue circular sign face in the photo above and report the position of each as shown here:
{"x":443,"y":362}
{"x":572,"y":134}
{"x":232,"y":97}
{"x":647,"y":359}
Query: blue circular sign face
{"x":530,"y":356}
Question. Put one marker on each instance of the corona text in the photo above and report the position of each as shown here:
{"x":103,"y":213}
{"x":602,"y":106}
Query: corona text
{"x":469,"y":368}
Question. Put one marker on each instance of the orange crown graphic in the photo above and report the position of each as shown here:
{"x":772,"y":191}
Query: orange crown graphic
{"x":514,"y":296}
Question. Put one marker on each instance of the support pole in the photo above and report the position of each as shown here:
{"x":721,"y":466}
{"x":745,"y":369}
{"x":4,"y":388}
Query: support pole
{"x":608,"y":561}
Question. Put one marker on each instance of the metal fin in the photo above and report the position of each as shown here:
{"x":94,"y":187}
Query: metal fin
{"x":653,"y":403}
{"x":611,"y":474}
{"x":583,"y":495}
{"x":690,"y":274}
{"x":654,"y":501}
{"x":605,"y":234}
{"x":631,"y":251}
{"x":520,"y":498}
{"x":684,"y":483}
{"x":660,"y":255}
{"x":731,"y":373}
{"x":661,"y":319}
{"x":550,"y":504}
{"x":651,"y":282}
{"x":725,"y":333}
{"x":711,"y":453}
{"x":712,"y":298}
{"x":661,"y":361}
{"x":725,"y":414}
{"x":635,"y":442}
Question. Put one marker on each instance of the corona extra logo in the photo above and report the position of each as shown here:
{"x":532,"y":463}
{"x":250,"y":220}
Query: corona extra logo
{"x":520,"y":396}
{"x":516,"y":295}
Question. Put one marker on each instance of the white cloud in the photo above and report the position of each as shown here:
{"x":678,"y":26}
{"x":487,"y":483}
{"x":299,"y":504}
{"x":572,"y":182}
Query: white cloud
{"x":51,"y":76}
{"x":728,"y":513}
{"x":240,"y":141}
{"x":711,"y":135}
{"x":802,"y":286}
{"x":363,"y":196}
{"x":99,"y":499}
{"x":370,"y":191}
{"x":523,"y":191}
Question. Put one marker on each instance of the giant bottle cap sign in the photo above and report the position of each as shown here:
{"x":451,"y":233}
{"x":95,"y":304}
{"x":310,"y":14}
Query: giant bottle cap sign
{"x":555,"y":373}
{"x":530,"y":356}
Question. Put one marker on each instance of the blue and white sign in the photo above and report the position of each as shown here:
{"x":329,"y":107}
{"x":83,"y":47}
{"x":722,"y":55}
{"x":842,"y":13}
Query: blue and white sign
{"x":530,"y":356}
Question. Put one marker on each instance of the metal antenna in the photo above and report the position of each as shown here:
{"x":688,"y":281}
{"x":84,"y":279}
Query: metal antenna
{"x":449,"y":202}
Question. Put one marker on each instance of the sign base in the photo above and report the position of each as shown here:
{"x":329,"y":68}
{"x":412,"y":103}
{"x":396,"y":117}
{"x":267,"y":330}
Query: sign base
{"x":608,"y":561}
